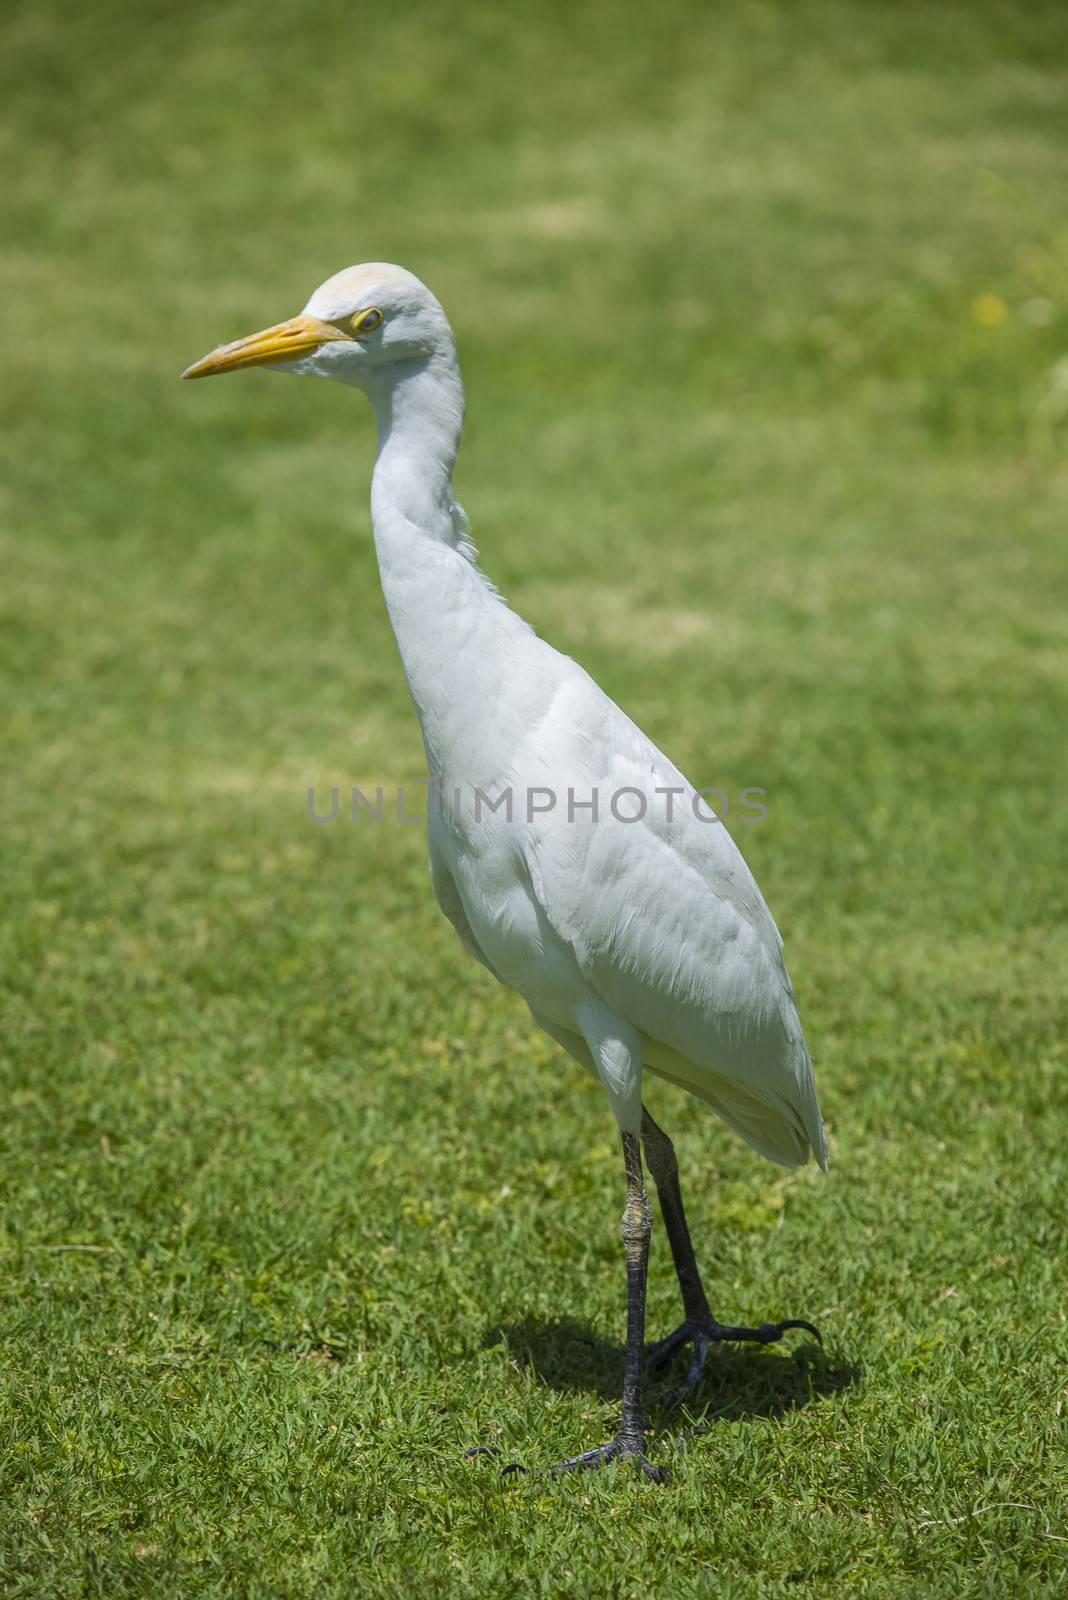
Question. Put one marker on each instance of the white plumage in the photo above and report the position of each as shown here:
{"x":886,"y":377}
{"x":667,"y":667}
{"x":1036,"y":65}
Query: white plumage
{"x":636,"y":943}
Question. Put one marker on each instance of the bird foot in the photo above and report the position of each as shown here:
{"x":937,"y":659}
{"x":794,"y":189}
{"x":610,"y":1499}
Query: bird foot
{"x":619,"y":1449}
{"x":703,"y":1332}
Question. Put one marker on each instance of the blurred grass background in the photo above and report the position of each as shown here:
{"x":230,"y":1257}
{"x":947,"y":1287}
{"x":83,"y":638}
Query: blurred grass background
{"x":762,"y":310}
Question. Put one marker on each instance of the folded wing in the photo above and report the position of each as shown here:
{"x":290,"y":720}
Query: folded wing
{"x":668,"y":926}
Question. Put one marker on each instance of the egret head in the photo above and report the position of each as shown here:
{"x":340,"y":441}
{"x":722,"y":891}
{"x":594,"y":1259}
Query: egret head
{"x":362,"y":326}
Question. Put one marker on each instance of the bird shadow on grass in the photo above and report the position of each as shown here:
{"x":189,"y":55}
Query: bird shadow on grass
{"x":738,"y":1382}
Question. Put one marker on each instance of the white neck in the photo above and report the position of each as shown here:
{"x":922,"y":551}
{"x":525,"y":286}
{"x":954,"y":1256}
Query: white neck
{"x":450,"y":625}
{"x":420,"y":416}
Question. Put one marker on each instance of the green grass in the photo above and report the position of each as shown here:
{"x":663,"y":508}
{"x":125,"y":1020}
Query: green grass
{"x":763,"y":313}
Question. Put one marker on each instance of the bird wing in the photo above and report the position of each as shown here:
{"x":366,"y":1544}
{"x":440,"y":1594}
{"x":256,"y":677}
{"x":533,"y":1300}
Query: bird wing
{"x":667,"y":923}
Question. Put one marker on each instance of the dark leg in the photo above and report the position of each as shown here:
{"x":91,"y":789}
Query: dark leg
{"x":698,"y":1326}
{"x":660,"y":1154}
{"x":636,"y":1228}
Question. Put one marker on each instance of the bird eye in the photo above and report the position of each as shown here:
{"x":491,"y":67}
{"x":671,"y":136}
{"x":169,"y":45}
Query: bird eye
{"x":367,"y":321}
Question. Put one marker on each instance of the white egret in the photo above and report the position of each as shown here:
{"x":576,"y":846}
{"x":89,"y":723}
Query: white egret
{"x":572,"y":858}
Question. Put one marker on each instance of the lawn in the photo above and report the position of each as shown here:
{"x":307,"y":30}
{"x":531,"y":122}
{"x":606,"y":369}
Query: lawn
{"x":763,"y":312}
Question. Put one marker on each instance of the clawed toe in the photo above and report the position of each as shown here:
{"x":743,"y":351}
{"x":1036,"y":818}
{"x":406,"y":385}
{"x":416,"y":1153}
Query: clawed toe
{"x":766,"y":1333}
{"x":509,"y":1469}
{"x":659,"y":1353}
{"x":702,"y":1334}
{"x":588,"y":1461}
{"x":600,"y":1455}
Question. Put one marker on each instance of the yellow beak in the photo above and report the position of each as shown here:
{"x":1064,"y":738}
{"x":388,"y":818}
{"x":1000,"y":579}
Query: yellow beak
{"x":284,"y":342}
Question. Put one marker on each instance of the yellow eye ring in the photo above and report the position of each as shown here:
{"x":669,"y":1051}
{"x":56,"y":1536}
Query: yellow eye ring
{"x":367,"y":321}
